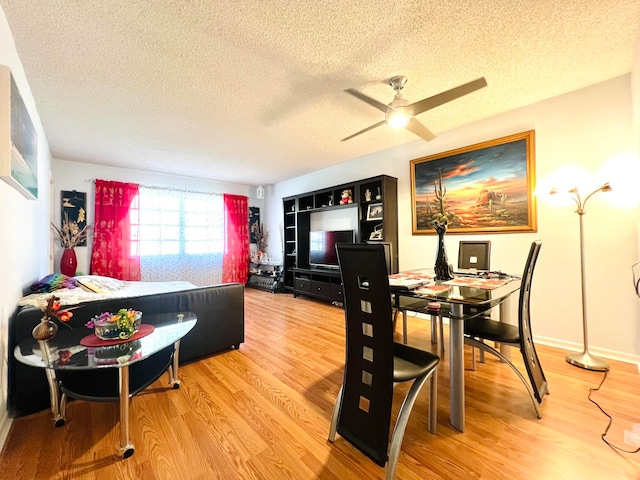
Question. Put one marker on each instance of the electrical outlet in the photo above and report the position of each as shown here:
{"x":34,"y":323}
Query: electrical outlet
{"x":631,"y":438}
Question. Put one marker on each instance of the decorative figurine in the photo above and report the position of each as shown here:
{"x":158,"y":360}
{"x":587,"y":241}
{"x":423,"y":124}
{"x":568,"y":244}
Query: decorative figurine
{"x":346,"y":197}
{"x":378,"y":196}
{"x":367,"y":195}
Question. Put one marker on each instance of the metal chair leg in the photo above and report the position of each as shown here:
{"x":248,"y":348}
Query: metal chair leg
{"x":473,"y":358}
{"x":487,"y":348}
{"x":335,"y":416}
{"x":434,"y":332}
{"x":403,"y":418}
{"x":440,"y":321}
{"x":404,"y":327}
{"x":433,"y":402}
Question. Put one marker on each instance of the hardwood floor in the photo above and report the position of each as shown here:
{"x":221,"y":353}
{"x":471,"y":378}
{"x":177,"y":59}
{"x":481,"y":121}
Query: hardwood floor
{"x":263,"y":412}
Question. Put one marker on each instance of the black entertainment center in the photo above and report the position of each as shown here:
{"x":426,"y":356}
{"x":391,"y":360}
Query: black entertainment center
{"x":310,"y":265}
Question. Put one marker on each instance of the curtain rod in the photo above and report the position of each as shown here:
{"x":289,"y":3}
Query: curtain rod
{"x":155,"y":187}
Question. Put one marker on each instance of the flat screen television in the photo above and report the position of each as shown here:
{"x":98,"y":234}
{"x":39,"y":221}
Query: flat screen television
{"x":322,"y":246}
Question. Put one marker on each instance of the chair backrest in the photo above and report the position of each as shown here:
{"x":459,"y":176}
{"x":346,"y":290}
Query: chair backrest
{"x":365,"y":411}
{"x":474,"y":255}
{"x":388,"y":255}
{"x":531,"y":361}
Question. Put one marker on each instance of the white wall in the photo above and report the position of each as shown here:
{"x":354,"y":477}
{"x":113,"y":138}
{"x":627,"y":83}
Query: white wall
{"x":24,"y":243}
{"x":635,"y":93}
{"x":586,"y":127}
{"x":68,"y":175}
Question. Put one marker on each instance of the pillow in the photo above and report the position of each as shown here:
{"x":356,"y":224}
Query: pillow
{"x":54,"y":281}
{"x":106,"y":284}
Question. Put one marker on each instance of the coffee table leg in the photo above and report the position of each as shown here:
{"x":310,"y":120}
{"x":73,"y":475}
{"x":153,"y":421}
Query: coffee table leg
{"x":126,"y":447}
{"x":456,"y":361}
{"x":54,"y":394}
{"x":175,"y":380}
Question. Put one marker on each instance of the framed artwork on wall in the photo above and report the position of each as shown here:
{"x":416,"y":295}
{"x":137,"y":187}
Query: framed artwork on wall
{"x":483,"y":188}
{"x":73,"y":211}
{"x":18,"y":139}
{"x":254,"y":218}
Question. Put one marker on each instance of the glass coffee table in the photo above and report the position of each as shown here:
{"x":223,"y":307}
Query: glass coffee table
{"x":108,"y":373}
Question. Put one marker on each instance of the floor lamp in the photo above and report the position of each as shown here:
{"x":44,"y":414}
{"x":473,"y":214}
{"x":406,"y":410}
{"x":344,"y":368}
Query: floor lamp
{"x":585,"y":359}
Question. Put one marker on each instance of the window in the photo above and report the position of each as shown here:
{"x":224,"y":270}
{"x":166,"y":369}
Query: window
{"x":181,"y":235}
{"x":176,"y":222}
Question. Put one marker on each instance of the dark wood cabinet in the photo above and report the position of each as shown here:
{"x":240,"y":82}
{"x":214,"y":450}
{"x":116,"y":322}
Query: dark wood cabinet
{"x":320,"y":283}
{"x":376,"y":202}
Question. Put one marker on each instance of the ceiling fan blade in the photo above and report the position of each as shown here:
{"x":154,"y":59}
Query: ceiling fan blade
{"x":447,"y":96}
{"x":375,"y":125}
{"x":419,"y":129}
{"x":371,"y":101}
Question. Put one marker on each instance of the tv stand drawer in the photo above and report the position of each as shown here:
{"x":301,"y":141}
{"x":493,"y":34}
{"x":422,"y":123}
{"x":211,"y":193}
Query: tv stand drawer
{"x":321,"y":288}
{"x":303,"y":284}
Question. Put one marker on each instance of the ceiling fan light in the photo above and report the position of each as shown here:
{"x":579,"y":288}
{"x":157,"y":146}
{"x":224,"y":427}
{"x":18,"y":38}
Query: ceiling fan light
{"x":398,"y":118}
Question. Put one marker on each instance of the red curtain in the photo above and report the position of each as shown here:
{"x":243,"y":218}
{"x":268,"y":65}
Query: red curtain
{"x":235,"y":261}
{"x":116,"y":210}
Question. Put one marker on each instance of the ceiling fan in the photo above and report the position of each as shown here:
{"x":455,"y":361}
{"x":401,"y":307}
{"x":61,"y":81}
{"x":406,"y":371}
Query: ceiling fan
{"x":400,"y":113}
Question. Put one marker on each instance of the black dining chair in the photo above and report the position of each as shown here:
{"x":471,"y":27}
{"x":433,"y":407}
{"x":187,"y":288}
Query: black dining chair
{"x":484,"y":328}
{"x":374,"y":362}
{"x":474,"y":255}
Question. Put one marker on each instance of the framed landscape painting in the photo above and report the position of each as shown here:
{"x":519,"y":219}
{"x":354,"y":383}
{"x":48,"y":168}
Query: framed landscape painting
{"x":483,"y":188}
{"x":18,"y":139}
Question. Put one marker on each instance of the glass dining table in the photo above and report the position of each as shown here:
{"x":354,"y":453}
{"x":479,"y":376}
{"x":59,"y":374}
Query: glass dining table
{"x":477,"y":290}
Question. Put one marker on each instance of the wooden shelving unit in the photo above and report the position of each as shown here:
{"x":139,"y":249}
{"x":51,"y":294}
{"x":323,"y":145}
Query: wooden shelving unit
{"x":376,"y":199}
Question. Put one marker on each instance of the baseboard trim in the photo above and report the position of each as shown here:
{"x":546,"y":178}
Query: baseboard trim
{"x":570,"y":346}
{"x":598,"y":352}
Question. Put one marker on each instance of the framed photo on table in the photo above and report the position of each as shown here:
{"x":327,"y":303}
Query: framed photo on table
{"x":483,"y":188}
{"x":374,"y":211}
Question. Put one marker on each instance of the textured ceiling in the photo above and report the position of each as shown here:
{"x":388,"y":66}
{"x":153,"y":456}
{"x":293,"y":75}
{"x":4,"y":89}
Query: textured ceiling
{"x":252,"y":92}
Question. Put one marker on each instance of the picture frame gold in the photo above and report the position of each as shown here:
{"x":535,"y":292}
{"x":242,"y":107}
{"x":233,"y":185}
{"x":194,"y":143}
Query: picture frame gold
{"x":482,"y":188}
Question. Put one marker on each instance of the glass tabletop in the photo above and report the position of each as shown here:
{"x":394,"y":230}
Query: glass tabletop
{"x":478,"y":289}
{"x":66,"y":353}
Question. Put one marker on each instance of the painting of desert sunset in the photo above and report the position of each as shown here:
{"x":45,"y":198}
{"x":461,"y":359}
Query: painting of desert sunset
{"x":487,"y":187}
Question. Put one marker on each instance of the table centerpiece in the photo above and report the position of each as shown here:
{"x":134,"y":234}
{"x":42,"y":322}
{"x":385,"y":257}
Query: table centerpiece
{"x":121,"y":325}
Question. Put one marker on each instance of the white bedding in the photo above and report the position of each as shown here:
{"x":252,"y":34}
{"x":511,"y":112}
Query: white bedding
{"x":73,"y":296}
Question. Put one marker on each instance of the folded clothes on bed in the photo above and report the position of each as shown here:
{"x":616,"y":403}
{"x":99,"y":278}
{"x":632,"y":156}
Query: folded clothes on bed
{"x":53,"y":282}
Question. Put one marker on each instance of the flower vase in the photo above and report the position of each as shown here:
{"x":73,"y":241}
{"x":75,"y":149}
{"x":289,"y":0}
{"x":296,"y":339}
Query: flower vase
{"x":45,"y":330}
{"x":68,"y":262}
{"x":442,"y":269}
